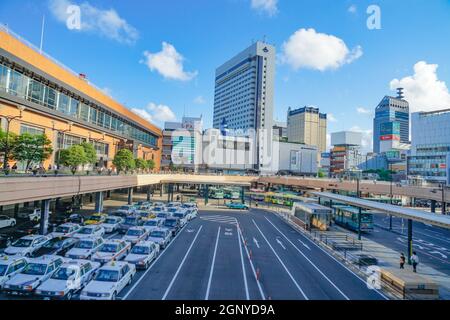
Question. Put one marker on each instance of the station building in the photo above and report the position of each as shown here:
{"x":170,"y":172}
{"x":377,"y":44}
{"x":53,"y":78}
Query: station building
{"x":48,"y":98}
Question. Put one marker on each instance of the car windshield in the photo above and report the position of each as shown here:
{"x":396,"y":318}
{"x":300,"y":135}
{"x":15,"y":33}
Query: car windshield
{"x":3,"y":269}
{"x":157,"y":234}
{"x":85,"y":244}
{"x":134,"y":232}
{"x":62,"y":229}
{"x":95,"y":218}
{"x":107,"y":276}
{"x":54,"y":243}
{"x":110,"y":221}
{"x":35,"y":269}
{"x":151,"y":223}
{"x":178,"y":215}
{"x":162,"y":215}
{"x":172,"y":209}
{"x":63,"y":273}
{"x":171,"y":222}
{"x":86,"y":231}
{"x":140,"y":250}
{"x":157,"y":209}
{"x":22,"y":243}
{"x":124,"y":208}
{"x":130,"y":220}
{"x":109,"y":247}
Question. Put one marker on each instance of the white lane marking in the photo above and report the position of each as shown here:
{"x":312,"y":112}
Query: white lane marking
{"x":256,"y":242}
{"x":241,"y":236}
{"x":181,"y":265}
{"x":304,"y":244}
{"x":281,"y":262}
{"x":247,"y":295}
{"x":307,"y":259}
{"x":439,"y":253}
{"x":212,"y":266}
{"x":148,"y":270}
{"x":339,"y":262}
{"x":281,"y":243}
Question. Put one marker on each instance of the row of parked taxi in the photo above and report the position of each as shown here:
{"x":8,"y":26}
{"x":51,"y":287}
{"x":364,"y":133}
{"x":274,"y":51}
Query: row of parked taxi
{"x":84,"y":260}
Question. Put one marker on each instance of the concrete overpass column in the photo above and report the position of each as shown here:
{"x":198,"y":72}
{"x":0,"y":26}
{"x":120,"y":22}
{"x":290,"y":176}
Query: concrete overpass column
{"x":242,"y":195}
{"x":170,"y":192}
{"x":444,"y":208}
{"x":433,"y":206}
{"x":16,"y":210}
{"x":148,"y":193}
{"x":410,"y":240}
{"x":130,"y":196}
{"x":206,"y":194}
{"x":108,"y":194}
{"x":161,"y":190}
{"x":45,"y":212}
{"x":99,"y":202}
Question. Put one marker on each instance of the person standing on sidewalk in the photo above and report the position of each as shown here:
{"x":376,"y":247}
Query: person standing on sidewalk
{"x":402,"y":261}
{"x":415,"y":261}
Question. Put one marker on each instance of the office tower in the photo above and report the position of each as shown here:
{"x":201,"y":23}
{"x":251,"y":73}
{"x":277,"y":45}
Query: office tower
{"x":346,"y":152}
{"x":307,"y":125}
{"x":430,"y":146}
{"x":244,"y":89}
{"x":391,"y":121}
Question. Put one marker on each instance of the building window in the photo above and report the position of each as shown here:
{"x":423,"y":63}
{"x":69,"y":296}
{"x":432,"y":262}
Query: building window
{"x":31,"y":130}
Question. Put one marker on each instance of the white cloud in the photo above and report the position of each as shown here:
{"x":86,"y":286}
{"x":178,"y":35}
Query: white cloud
{"x":352,"y":9}
{"x":106,"y":23}
{"x":156,"y":113}
{"x":169,"y":63}
{"x":309,"y":49}
{"x":367,"y":138}
{"x":423,"y":90}
{"x":199,"y":100}
{"x":269,"y":7}
{"x":362,"y":110}
{"x":331,"y":117}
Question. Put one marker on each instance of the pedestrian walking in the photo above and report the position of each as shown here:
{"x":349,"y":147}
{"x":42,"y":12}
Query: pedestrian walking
{"x":415,"y":261}
{"x":402,"y":261}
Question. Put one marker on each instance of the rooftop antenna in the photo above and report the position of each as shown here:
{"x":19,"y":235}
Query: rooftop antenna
{"x":400,"y":94}
{"x":42,"y":34}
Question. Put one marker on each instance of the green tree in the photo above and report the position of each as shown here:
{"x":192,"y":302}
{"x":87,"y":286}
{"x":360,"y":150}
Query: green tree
{"x":140,"y":164}
{"x":32,"y":149}
{"x":321,"y":174}
{"x":7,"y":145}
{"x":73,"y":157}
{"x":91,"y":153}
{"x":124,"y":160}
{"x":151,"y":164}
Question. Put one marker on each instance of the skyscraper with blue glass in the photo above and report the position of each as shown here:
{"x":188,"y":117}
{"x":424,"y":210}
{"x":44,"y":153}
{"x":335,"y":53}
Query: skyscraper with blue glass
{"x":391,"y":113}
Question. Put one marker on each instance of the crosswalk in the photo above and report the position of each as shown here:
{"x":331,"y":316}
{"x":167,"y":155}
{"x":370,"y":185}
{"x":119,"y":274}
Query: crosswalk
{"x":220,"y":219}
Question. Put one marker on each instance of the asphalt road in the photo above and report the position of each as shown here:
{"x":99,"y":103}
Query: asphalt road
{"x":245,"y":255}
{"x":432,"y":244}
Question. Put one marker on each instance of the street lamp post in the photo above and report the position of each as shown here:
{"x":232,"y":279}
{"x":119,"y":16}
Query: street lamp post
{"x":391,"y":194}
{"x":9,"y":119}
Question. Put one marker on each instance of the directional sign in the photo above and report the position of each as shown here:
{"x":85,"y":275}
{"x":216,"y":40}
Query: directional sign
{"x":281,"y":244}
{"x":256,"y":242}
{"x":304,"y":244}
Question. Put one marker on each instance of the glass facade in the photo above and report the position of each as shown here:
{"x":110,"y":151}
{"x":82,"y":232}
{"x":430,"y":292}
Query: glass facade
{"x":22,"y":86}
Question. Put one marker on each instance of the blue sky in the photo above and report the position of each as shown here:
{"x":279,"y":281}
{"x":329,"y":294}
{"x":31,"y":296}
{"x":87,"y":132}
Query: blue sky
{"x":160,"y":55}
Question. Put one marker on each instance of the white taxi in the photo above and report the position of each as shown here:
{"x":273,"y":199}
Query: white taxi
{"x":142,"y":254}
{"x":135,"y":234}
{"x":65,"y":230}
{"x":33,"y":275}
{"x":93,"y":230}
{"x":153,"y":224}
{"x":112,"y":224}
{"x":109,"y":281}
{"x":115,"y":249}
{"x":25,"y":246}
{"x":10,"y":266}
{"x":69,"y":279}
{"x":85,"y":248}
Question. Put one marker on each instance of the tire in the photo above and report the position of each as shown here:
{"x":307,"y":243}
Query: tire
{"x":69,"y":295}
{"x":12,"y":224}
{"x":113,"y":297}
{"x":130,"y":281}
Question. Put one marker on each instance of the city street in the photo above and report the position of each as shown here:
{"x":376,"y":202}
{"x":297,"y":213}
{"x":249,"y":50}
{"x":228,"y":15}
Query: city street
{"x":432,"y":244}
{"x":209,"y":260}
